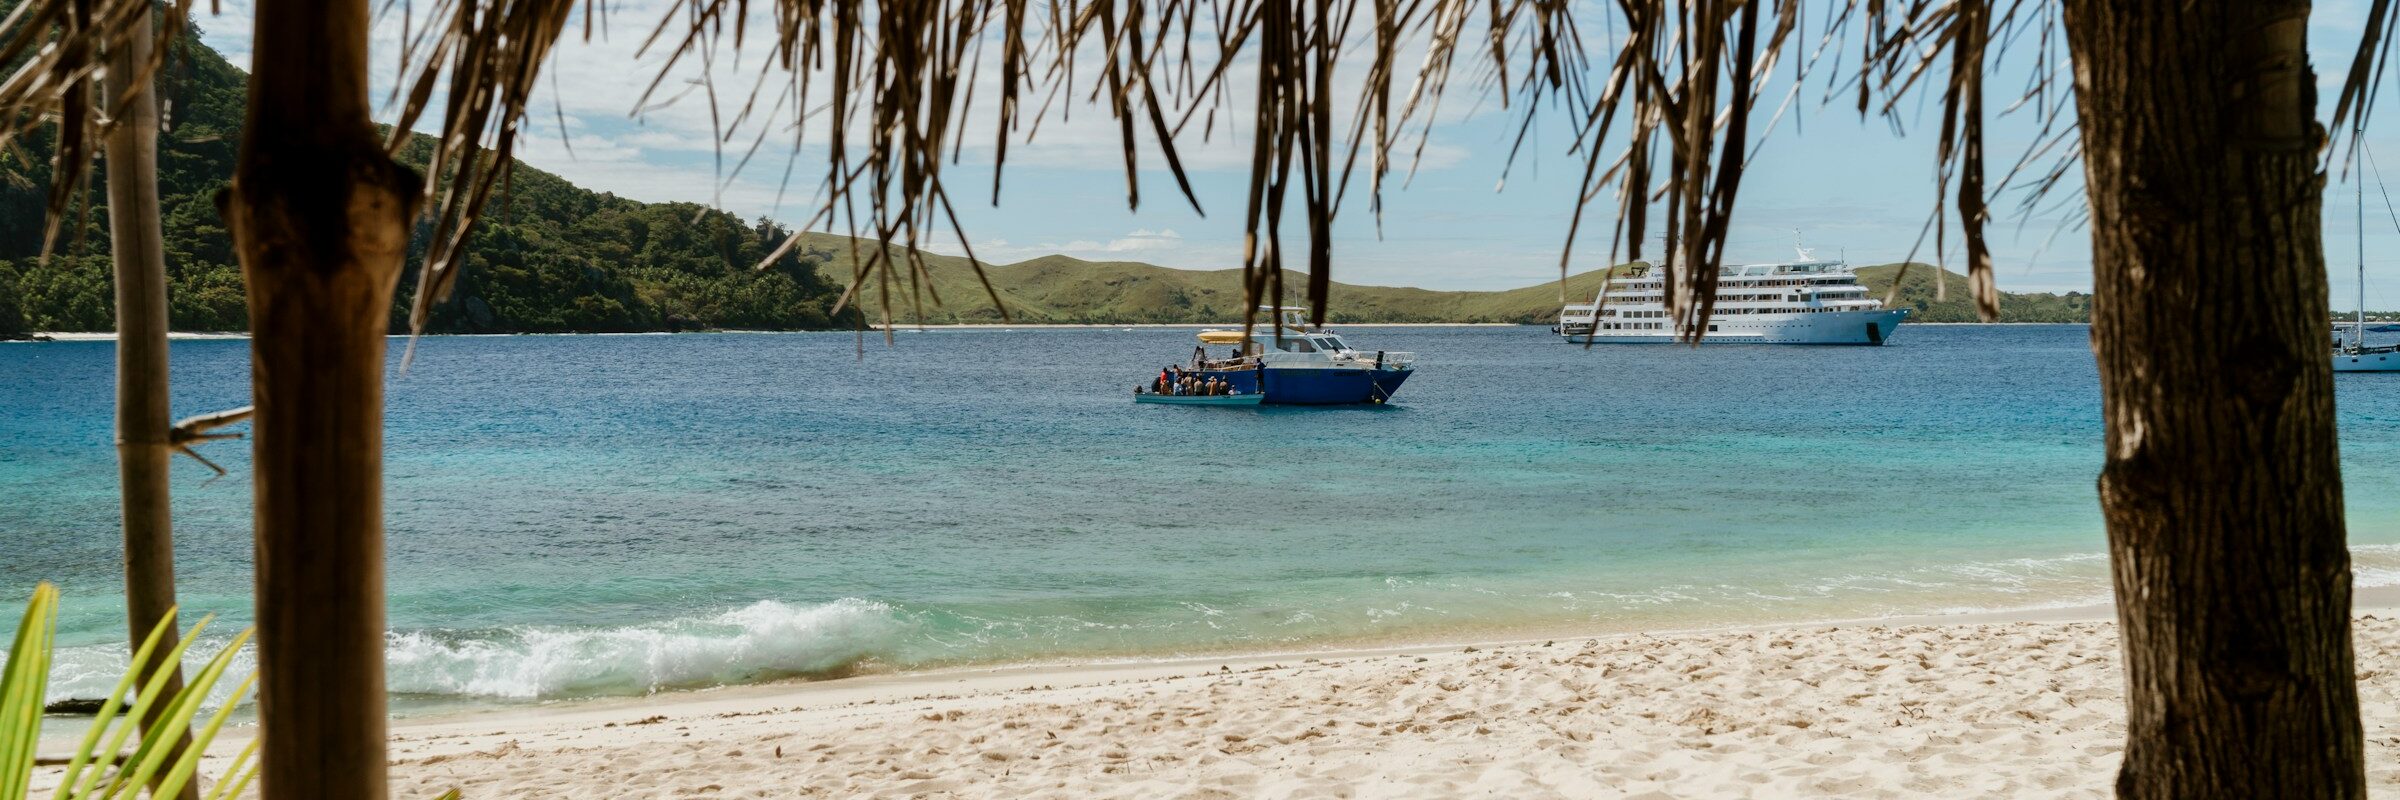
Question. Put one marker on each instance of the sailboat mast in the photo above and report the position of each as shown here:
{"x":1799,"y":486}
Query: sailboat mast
{"x":2358,"y":133}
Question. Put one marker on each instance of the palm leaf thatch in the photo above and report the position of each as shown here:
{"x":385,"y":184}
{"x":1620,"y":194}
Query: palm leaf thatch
{"x":893,"y":85}
{"x":60,"y":50}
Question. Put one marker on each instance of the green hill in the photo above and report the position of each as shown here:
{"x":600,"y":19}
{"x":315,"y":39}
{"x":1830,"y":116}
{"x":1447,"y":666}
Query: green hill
{"x":1059,"y":289}
{"x":1917,"y":291}
{"x":549,"y":256}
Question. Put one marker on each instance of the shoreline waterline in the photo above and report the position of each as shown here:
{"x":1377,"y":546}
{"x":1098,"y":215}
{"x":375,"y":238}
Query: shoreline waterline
{"x":466,"y":725}
{"x":2379,"y":600}
{"x":883,"y":685}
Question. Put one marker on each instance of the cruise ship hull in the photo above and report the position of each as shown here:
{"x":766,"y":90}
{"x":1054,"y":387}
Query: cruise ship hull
{"x":1873,"y":327}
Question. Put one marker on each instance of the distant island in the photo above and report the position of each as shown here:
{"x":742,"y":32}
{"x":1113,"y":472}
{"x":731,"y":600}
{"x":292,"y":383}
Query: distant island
{"x":1064,"y":290}
{"x":557,"y":258}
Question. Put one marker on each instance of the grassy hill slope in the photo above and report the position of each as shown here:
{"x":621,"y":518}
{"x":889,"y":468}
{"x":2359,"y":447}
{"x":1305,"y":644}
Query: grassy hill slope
{"x":1060,"y":289}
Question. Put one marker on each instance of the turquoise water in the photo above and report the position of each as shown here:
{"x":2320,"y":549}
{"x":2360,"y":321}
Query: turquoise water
{"x":591,"y":515}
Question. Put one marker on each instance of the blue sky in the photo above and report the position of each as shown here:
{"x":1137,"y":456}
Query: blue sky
{"x":1846,"y":185}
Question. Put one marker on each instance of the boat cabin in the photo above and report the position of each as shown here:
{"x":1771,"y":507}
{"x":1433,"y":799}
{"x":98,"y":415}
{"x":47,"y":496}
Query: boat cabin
{"x":1258,"y":343}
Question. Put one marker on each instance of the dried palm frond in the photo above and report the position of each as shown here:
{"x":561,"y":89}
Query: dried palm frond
{"x":893,"y":86}
{"x":2366,"y":70}
{"x":61,"y":50}
{"x":492,"y":53}
{"x":1693,"y":70}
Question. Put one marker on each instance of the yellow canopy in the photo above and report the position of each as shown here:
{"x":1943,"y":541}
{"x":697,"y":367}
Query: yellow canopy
{"x":1221,"y":337}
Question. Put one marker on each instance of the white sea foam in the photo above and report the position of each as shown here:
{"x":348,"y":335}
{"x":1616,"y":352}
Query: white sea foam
{"x":2375,"y":565}
{"x":771,"y":639}
{"x":763,"y":640}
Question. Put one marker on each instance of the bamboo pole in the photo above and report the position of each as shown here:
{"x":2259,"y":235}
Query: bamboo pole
{"x":143,"y":424}
{"x":320,"y":220}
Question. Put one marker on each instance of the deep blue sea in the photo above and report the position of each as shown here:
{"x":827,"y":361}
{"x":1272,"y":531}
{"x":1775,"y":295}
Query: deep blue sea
{"x":573,"y":516}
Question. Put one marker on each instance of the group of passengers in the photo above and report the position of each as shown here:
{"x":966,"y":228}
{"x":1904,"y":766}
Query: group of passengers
{"x":1175,"y":381}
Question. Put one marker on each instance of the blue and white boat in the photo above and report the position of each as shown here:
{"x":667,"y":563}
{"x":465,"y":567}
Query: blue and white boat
{"x":1303,"y":366}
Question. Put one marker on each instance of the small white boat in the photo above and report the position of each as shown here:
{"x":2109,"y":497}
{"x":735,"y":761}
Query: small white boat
{"x":2355,"y":355}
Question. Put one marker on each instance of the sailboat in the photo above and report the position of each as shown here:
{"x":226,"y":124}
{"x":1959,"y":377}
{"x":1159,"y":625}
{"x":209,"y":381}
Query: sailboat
{"x":2355,"y":355}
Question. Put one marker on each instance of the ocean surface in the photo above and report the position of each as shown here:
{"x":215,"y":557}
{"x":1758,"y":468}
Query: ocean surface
{"x":579,"y":516}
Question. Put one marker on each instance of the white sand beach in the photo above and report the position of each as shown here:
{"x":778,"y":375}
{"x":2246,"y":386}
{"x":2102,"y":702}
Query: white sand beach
{"x":2028,"y":708}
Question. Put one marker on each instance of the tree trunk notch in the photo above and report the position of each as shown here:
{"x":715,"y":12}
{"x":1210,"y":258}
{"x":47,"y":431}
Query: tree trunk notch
{"x":320,"y":219}
{"x":2222,"y":487}
{"x":144,"y":424}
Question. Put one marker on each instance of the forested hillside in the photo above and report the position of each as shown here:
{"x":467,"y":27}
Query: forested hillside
{"x":548,"y":257}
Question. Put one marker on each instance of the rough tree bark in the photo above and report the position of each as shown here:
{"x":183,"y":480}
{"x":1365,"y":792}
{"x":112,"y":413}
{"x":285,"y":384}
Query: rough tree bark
{"x":143,"y":421}
{"x":2222,"y":491}
{"x":320,"y":221}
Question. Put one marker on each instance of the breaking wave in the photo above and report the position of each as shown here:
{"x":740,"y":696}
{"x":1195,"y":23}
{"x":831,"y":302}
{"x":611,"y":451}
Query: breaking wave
{"x":765,"y":640}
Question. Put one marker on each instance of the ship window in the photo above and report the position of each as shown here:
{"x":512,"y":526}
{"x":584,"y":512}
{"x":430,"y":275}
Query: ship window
{"x":1297,"y":346}
{"x":1333,"y":343}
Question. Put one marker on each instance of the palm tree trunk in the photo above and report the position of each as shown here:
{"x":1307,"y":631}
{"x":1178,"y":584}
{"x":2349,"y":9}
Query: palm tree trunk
{"x":320,"y":221}
{"x":2222,"y":490}
{"x":143,"y":422}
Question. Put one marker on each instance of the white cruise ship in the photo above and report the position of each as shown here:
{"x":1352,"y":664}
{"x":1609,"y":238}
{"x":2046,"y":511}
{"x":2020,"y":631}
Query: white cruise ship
{"x":1809,"y":301}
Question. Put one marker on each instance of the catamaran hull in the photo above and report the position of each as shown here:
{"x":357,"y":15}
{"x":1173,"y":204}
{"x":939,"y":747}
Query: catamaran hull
{"x":1833,"y":327}
{"x":1305,"y":386}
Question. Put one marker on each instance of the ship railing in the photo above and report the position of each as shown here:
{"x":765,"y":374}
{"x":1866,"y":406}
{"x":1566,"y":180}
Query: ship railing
{"x":1388,"y":358}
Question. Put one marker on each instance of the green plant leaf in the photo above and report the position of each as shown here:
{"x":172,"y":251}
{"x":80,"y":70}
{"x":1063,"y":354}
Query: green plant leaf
{"x":237,"y":774}
{"x":175,"y":719}
{"x":86,"y":751}
{"x":141,"y":704}
{"x":22,"y":684}
{"x":183,"y":768}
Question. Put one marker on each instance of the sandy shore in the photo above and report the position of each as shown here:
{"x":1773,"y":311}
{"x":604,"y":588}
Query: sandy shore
{"x":1901,"y":708}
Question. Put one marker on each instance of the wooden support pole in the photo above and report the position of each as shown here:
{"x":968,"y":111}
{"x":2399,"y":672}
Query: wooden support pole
{"x":320,"y":220}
